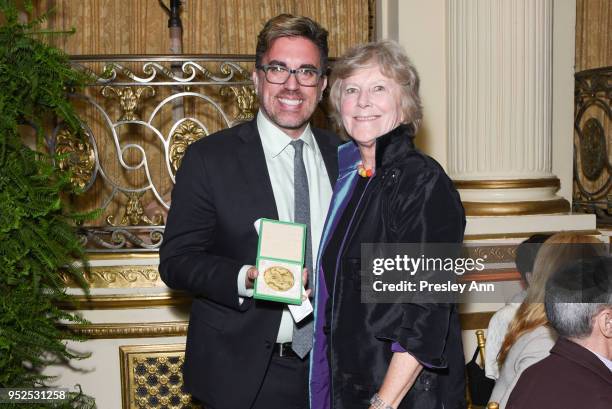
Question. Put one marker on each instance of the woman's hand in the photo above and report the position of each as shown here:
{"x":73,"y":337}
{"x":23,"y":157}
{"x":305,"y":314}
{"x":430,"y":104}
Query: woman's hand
{"x":401,"y":374}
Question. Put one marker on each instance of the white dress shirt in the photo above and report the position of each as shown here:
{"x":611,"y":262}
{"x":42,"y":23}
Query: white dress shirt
{"x":607,"y":362}
{"x":279,"y":155}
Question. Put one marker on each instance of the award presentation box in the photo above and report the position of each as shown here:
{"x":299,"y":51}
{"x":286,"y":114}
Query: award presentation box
{"x":280,"y":259}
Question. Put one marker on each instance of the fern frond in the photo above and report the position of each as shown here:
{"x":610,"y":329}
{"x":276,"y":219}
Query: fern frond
{"x":37,"y":237}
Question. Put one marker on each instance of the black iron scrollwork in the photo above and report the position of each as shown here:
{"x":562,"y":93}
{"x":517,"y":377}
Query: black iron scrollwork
{"x":592,"y":168}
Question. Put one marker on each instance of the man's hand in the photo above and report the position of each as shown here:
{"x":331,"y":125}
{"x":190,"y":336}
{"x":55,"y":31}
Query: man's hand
{"x":308,"y":292}
{"x":251,"y":275}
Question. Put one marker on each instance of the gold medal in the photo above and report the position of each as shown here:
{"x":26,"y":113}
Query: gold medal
{"x":279,"y":278}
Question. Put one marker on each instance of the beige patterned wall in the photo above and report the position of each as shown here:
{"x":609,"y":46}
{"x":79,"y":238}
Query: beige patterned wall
{"x":210,"y":26}
{"x":593,"y":40}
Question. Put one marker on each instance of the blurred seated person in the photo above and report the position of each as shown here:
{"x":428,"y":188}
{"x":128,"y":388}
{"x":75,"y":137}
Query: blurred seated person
{"x":578,"y":371}
{"x":529,"y":337}
{"x":498,"y":325}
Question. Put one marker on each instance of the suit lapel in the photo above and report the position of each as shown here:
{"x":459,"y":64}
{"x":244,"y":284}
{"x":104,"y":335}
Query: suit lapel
{"x":252,"y":159}
{"x":330,"y":156}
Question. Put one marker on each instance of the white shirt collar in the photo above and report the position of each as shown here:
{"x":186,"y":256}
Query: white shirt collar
{"x":274,"y":140}
{"x":605,"y":360}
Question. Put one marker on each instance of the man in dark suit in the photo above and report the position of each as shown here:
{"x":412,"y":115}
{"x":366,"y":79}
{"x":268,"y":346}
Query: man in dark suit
{"x":243,"y":353}
{"x":578,"y":371}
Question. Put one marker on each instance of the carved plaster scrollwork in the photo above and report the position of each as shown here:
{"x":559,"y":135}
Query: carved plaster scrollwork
{"x":130,"y":330}
{"x":118,"y":277}
{"x":493,"y":253}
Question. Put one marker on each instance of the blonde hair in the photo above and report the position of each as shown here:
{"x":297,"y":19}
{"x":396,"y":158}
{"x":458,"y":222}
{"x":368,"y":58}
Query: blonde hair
{"x":393,"y":63}
{"x":552,"y":256}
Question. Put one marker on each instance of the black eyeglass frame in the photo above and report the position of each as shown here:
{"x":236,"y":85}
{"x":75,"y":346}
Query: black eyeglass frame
{"x":289,"y":71}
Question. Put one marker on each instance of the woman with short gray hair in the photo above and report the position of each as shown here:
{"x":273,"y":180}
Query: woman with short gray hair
{"x":393,"y":64}
{"x":383,"y":355}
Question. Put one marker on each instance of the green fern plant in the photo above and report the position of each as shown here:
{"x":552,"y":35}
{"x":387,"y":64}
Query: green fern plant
{"x":37,"y":235}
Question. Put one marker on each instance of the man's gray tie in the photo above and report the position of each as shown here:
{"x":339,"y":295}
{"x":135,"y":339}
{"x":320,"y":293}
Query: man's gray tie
{"x":302,"y":332}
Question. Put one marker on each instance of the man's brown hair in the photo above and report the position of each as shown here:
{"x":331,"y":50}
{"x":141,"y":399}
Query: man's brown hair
{"x":287,"y":25}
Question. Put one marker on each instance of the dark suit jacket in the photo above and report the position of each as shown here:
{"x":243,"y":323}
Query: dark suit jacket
{"x":221,"y":188}
{"x":571,"y":377}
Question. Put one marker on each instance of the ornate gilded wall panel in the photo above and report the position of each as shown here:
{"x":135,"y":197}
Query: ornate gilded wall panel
{"x":209,"y":26}
{"x":592,"y":139}
{"x":126,"y":301}
{"x":138,"y":276}
{"x":592,"y":143}
{"x":131,"y":330}
{"x":151,"y":377}
{"x":140,"y":114}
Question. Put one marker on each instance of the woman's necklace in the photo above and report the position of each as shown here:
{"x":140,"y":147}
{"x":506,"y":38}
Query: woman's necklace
{"x":363,"y":172}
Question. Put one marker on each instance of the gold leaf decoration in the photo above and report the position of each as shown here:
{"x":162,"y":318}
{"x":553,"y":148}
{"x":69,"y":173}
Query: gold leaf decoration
{"x":129,"y":99}
{"x":134,"y":214}
{"x":184,"y":135}
{"x":80,"y":158}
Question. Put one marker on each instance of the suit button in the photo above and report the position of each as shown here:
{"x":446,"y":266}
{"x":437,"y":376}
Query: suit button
{"x":268,"y":344}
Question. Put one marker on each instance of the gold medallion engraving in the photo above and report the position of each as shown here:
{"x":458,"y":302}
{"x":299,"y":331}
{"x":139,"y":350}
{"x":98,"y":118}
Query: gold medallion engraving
{"x":279,"y":278}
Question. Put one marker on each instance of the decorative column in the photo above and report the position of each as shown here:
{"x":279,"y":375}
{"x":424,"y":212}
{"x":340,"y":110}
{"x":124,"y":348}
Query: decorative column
{"x":499,"y":81}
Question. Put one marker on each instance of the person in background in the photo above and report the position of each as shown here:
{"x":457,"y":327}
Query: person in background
{"x":578,"y":371}
{"x":498,"y":325}
{"x":244,"y":353}
{"x":530,"y":338}
{"x":383,"y":355}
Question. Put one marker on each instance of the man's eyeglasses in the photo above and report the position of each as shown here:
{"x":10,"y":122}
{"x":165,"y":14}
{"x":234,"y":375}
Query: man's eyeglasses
{"x":277,"y":74}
